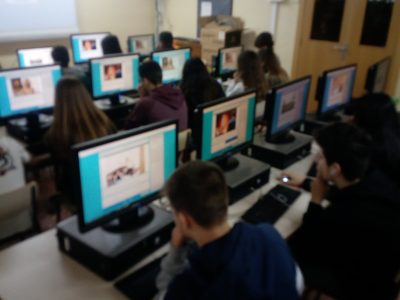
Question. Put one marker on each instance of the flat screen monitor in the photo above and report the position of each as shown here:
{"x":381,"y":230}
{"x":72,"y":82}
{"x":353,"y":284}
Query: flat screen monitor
{"x":142,"y":44}
{"x":120,"y":173}
{"x":286,"y":108}
{"x":114,"y":74}
{"x":335,"y":89}
{"x":27,"y":90}
{"x":377,"y":76}
{"x":227,"y":60}
{"x":171,"y":63}
{"x":33,"y":57}
{"x":224,"y":127}
{"x":87,"y":46}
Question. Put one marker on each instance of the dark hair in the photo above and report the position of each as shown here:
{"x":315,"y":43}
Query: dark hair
{"x":166,"y":39}
{"x":264,"y":39}
{"x":270,"y":62}
{"x":151,"y":71}
{"x":198,"y":188}
{"x":348,"y":146}
{"x":60,"y":55}
{"x":110,"y":45}
{"x":251,"y":73}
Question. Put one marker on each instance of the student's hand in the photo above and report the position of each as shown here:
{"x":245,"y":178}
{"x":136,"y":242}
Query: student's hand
{"x":178,"y":240}
{"x":236,"y":76}
{"x":291,"y":179}
{"x":319,"y":190}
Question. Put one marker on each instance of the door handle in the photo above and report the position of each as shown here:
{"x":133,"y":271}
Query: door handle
{"x":342,"y":48}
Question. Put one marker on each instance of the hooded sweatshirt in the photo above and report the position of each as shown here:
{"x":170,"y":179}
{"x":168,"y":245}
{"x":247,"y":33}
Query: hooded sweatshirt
{"x":164,"y":103}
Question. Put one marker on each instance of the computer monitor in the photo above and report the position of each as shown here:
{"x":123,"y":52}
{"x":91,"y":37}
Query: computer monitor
{"x":86,"y":46}
{"x":227,"y":61}
{"x":171,"y":63}
{"x":377,"y":76}
{"x":334,"y":91}
{"x":143,"y":44}
{"x":33,"y":57}
{"x":113,"y":75}
{"x":118,"y":175}
{"x":27,"y":91}
{"x":285,"y":109}
{"x":225,"y":127}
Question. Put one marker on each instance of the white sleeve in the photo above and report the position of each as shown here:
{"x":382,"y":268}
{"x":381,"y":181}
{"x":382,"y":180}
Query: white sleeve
{"x":234,"y":88}
{"x":19,"y":149}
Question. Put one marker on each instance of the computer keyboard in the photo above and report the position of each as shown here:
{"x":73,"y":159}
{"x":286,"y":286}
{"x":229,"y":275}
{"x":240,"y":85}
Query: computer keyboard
{"x":270,"y":207}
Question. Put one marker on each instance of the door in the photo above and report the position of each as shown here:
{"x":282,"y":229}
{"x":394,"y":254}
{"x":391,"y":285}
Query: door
{"x":335,"y":33}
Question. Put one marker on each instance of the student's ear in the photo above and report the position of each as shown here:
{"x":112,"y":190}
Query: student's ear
{"x":184,"y":221}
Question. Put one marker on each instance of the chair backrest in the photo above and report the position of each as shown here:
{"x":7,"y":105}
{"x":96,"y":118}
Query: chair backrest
{"x":18,"y":200}
{"x":183,"y":139}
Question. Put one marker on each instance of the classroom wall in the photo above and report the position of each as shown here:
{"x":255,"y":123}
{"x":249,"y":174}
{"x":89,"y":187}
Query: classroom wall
{"x":121,"y":17}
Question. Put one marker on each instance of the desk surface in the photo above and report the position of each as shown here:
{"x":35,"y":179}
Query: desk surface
{"x":36,"y":269}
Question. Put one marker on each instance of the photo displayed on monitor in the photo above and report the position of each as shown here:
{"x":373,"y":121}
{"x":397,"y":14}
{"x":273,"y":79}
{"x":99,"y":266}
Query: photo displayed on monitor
{"x":123,"y":170}
{"x":171,"y":63}
{"x":338,"y":88}
{"x":27,"y":90}
{"x":288,"y":105}
{"x":34,"y":57}
{"x":114,"y":74}
{"x":226,"y":125}
{"x":377,"y":76}
{"x":87,"y":46}
{"x":228,"y":60}
{"x":142,"y":44}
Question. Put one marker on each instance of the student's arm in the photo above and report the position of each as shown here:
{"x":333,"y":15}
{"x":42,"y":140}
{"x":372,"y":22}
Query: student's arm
{"x":138,"y":117}
{"x":234,"y":88}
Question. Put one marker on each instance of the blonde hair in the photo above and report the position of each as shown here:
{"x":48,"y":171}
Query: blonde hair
{"x":76,"y":118}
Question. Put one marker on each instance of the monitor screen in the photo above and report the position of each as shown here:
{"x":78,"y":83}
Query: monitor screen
{"x":87,"y":46}
{"x":225,"y":126}
{"x":228,"y":58}
{"x":35,"y":57}
{"x":337,"y":88}
{"x":122,"y":171}
{"x":142,"y":44}
{"x":27,"y":90}
{"x":377,"y":76}
{"x":171,"y":62}
{"x":287,"y":105}
{"x":114,"y":74}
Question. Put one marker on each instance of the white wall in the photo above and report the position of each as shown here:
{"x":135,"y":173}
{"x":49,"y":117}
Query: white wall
{"x":121,"y":17}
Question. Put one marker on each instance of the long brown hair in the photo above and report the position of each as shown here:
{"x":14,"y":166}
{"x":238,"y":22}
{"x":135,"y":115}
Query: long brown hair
{"x":76,"y":118}
{"x":251,"y":73}
{"x":270,"y":62}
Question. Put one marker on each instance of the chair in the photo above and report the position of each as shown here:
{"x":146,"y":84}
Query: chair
{"x":184,"y":145}
{"x":18,"y":211}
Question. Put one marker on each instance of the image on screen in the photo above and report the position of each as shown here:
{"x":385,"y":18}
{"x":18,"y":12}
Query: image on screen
{"x":290,"y":105}
{"x":171,"y":63}
{"x":27,"y":90}
{"x":35,"y":57}
{"x":227,"y":125}
{"x":112,"y":75}
{"x":228,"y":59}
{"x":143,"y":44}
{"x":338,"y":88}
{"x":382,"y":70}
{"x":87,"y":46}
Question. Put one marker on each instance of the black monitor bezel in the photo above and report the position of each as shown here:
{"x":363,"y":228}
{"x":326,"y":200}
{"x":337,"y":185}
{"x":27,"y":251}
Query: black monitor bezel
{"x":77,"y":188}
{"x":271,"y":103}
{"x":371,"y":74}
{"x":321,"y":87}
{"x":218,"y":66}
{"x":141,"y":35}
{"x":33,"y":48}
{"x":107,"y":57}
{"x":198,"y":128}
{"x":72,"y":46}
{"x":41,"y":110}
{"x":160,"y":51}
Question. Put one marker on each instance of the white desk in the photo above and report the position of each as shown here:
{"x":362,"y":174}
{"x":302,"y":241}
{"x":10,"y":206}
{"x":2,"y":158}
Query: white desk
{"x":35,"y":269}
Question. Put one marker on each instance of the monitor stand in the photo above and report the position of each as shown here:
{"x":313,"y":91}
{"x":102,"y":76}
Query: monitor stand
{"x":280,"y":155}
{"x":139,"y":217}
{"x":249,"y":174}
{"x":229,"y":163}
{"x":284,"y":138}
{"x":109,"y":254}
{"x":312,"y":122}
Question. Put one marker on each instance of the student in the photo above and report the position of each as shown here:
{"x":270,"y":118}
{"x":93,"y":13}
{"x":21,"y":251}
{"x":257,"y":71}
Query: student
{"x":76,"y":120}
{"x":248,"y":76}
{"x":273,"y":72}
{"x":165,"y":41}
{"x":110,"y":45}
{"x":350,"y":249}
{"x":198,"y":86}
{"x":264,"y":41}
{"x":158,"y":102}
{"x":229,"y":262}
{"x":60,"y":55}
